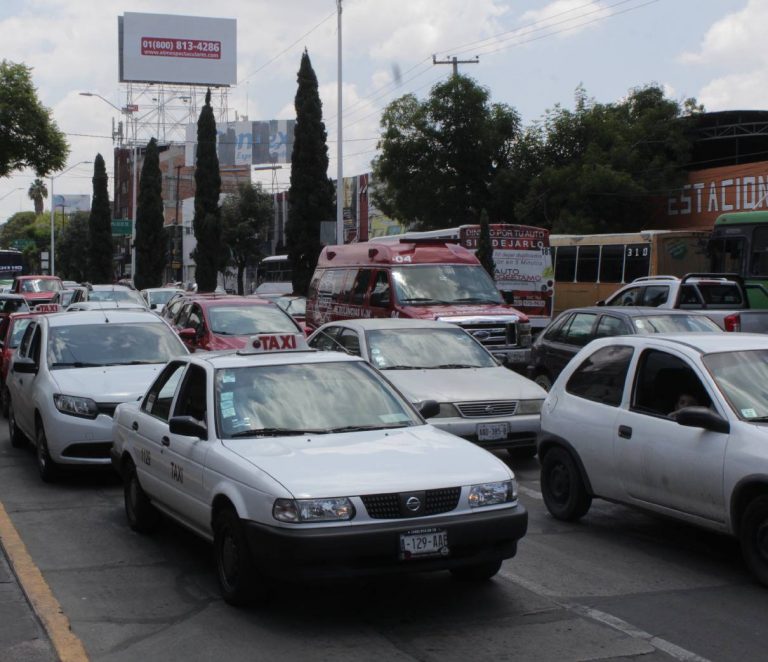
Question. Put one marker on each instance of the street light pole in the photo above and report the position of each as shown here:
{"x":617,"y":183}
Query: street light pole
{"x":52,"y":261}
{"x":339,"y":155}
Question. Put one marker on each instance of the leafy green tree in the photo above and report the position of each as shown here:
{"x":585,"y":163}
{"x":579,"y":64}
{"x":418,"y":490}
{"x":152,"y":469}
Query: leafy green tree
{"x":100,"y":227}
{"x":32,"y":232}
{"x":245,"y":218}
{"x":207,"y":218}
{"x":440,"y":157}
{"x":69,"y":248}
{"x":311,"y":194}
{"x":29,"y":137}
{"x":602,"y":165}
{"x":37,"y":192}
{"x":484,"y":251}
{"x":151,"y":237}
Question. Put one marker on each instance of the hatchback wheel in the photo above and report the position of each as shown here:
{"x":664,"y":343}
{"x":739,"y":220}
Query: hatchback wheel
{"x":754,"y":538}
{"x":5,"y":398}
{"x":17,"y":436}
{"x":562,"y":487}
{"x":48,"y":469}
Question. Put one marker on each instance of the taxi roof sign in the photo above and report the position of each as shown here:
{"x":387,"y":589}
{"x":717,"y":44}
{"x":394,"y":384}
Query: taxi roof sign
{"x":47,"y":308}
{"x":275,"y":342}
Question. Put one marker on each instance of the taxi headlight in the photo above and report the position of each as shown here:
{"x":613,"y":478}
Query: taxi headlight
{"x":313,"y":510}
{"x":491,"y":494}
{"x":75,"y":406}
{"x":529,"y":406}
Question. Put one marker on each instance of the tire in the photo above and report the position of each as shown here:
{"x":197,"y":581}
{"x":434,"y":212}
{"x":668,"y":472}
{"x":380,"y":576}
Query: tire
{"x":5,"y":398}
{"x":235,"y":568}
{"x":543,"y":380}
{"x":753,"y":537}
{"x":562,"y":486}
{"x":18,"y":440}
{"x":476,"y":573}
{"x":48,"y":469}
{"x":142,"y":516}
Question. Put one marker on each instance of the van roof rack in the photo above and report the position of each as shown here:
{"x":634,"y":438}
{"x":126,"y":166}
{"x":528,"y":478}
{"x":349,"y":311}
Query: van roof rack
{"x":642,"y":278}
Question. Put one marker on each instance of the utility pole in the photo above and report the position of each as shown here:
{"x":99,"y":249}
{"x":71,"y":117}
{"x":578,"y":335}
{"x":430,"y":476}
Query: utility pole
{"x":177,"y":243}
{"x":455,"y":62}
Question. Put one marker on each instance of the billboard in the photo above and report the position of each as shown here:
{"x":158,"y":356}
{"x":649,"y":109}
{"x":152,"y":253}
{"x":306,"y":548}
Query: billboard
{"x":69,"y":204}
{"x":164,"y":48}
{"x":247,"y":143}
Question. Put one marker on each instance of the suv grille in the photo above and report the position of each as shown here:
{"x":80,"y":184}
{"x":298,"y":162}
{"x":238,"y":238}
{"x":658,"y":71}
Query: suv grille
{"x":388,"y":506}
{"x":485,"y":409}
{"x":493,"y":334}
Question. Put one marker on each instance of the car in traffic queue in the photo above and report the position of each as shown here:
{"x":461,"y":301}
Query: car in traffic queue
{"x":13,"y":303}
{"x":12,"y":329}
{"x":672,"y":424}
{"x":571,"y":330}
{"x":157,"y":297}
{"x":37,"y":288}
{"x":71,"y":370}
{"x":121,"y":294}
{"x":478,"y":398}
{"x":303,"y":464}
{"x":224,"y":321}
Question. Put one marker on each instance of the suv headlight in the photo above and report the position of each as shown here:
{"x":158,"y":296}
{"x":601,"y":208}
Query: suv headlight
{"x":313,"y":510}
{"x":75,"y":405}
{"x":491,"y":494}
{"x":529,"y":406}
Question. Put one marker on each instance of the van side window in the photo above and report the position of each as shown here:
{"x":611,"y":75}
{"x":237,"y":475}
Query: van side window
{"x":380,"y":293}
{"x":361,"y":286}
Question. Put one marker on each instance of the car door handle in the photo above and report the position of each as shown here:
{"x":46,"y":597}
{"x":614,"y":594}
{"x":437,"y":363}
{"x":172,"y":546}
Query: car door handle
{"x":165,"y":441}
{"x":134,"y":426}
{"x":625,"y":431}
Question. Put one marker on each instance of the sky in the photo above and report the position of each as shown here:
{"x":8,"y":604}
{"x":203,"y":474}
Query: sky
{"x":531,"y":55}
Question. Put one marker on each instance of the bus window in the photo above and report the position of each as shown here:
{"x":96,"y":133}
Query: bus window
{"x":727,"y":254}
{"x":612,"y":263}
{"x":587,"y":263}
{"x":759,"y":259}
{"x":565,"y":266}
{"x":638,"y":261}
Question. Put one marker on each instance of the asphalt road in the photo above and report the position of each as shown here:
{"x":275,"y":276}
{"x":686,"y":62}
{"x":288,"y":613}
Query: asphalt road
{"x":620,"y":585}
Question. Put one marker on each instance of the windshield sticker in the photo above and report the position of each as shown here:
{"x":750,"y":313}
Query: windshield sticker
{"x":229,"y":412}
{"x":227,"y":378}
{"x":393,"y":418}
{"x":749,"y":413}
{"x":226,"y":396}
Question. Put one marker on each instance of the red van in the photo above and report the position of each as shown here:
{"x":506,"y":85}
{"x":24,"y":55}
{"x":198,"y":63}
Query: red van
{"x":424,"y":279}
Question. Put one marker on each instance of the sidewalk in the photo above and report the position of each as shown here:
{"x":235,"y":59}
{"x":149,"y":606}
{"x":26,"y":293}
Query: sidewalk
{"x":22,"y":636}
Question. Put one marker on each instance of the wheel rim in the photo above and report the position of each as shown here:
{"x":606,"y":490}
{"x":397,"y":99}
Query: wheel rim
{"x":229,"y":556}
{"x":42,"y":453}
{"x":560,"y":483}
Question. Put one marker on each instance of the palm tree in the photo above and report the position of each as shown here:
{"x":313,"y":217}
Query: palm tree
{"x":38,"y":191}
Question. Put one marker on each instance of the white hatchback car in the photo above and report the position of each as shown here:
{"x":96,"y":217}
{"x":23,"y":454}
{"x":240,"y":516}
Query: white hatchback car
{"x":70,"y":372}
{"x":675,"y":424}
{"x":304,"y":463}
{"x":479,"y":399}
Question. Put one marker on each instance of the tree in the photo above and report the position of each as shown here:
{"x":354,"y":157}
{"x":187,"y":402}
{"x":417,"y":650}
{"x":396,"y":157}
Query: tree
{"x":151,"y":237}
{"x":37,"y":191}
{"x":484,"y":251}
{"x":440,"y":158}
{"x":100,"y":227}
{"x":29,"y":137}
{"x":245,"y":219}
{"x":207,"y":218}
{"x":310,"y":196}
{"x":30,"y":231}
{"x":69,"y":248}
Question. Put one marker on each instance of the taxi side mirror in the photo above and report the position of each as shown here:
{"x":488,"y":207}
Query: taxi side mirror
{"x":429,"y":408}
{"x":702,"y":417}
{"x":188,"y":335}
{"x":187,"y":426}
{"x":24,"y":365}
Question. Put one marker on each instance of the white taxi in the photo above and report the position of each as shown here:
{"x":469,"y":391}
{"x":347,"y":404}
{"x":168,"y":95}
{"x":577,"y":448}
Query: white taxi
{"x":305,"y":463}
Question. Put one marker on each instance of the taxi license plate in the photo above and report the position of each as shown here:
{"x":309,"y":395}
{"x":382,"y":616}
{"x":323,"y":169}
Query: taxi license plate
{"x":421,"y":543}
{"x":492,"y":431}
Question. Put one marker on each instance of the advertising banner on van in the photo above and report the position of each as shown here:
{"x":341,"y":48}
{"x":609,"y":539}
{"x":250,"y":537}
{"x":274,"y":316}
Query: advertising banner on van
{"x":523,"y":262}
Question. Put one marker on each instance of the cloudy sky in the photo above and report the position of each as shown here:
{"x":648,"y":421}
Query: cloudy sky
{"x":532,"y":55}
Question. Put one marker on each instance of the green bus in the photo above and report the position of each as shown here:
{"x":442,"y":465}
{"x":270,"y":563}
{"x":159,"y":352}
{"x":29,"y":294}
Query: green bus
{"x":739,"y":244}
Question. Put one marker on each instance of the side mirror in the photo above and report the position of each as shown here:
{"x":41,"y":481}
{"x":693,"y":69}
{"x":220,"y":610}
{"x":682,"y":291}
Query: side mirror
{"x":600,"y":303}
{"x":24,"y":365}
{"x":187,"y":426}
{"x":702,"y":417}
{"x":153,"y":306}
{"x":428,"y":408}
{"x":188,"y":334}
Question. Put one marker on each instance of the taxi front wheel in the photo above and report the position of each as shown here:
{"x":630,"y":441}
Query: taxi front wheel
{"x":238,"y":577}
{"x":754,"y":538}
{"x":141,"y":514}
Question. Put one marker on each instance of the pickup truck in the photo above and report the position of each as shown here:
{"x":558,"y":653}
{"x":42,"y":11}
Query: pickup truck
{"x":723,"y":298}
{"x":37,"y":289}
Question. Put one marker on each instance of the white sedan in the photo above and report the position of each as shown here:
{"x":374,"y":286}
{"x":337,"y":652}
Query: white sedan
{"x":303,"y":463}
{"x":427,"y":360}
{"x":70,"y":372}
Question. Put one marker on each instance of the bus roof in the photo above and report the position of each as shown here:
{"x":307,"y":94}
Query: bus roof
{"x":626,"y":237}
{"x":739,"y":217}
{"x":401,"y":253}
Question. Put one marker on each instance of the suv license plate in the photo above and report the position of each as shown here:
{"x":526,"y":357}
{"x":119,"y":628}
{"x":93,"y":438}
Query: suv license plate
{"x":492,"y":431}
{"x":421,"y":543}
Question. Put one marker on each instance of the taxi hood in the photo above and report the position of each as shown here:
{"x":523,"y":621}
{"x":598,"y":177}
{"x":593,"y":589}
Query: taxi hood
{"x":113,"y":384}
{"x":370,"y":462}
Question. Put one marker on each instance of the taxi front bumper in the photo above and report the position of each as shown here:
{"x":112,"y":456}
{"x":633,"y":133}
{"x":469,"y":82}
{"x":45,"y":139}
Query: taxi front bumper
{"x":522,"y":430}
{"x":348,"y":551}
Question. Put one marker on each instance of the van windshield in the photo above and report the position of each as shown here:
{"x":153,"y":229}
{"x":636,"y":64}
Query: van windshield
{"x":430,"y":284}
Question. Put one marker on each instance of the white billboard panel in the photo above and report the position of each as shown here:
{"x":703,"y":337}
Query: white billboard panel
{"x":244,"y":142}
{"x":71,"y":203}
{"x":164,"y":48}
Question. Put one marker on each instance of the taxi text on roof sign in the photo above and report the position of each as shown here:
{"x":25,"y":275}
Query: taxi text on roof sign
{"x":271,"y":342}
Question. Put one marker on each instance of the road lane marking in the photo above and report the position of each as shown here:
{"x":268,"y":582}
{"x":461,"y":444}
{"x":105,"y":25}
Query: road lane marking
{"x":673,"y":650}
{"x":534,"y":494}
{"x":67,"y":645}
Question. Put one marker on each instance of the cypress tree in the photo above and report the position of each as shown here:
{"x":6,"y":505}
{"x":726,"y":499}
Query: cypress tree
{"x":207,"y":219}
{"x":484,"y":251}
{"x":150,"y":234}
{"x":311,"y":195}
{"x":100,"y":227}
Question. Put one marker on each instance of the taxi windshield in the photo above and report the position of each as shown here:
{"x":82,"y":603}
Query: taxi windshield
{"x":121,"y":296}
{"x":432,"y":284}
{"x":393,"y":349}
{"x":249,"y":320}
{"x":90,"y":345}
{"x":739,"y":376}
{"x":298,"y":398}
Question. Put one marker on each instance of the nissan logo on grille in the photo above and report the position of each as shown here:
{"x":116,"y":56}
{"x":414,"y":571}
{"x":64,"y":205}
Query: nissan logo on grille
{"x":481,"y":334}
{"x":490,"y":409}
{"x":413,"y":504}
